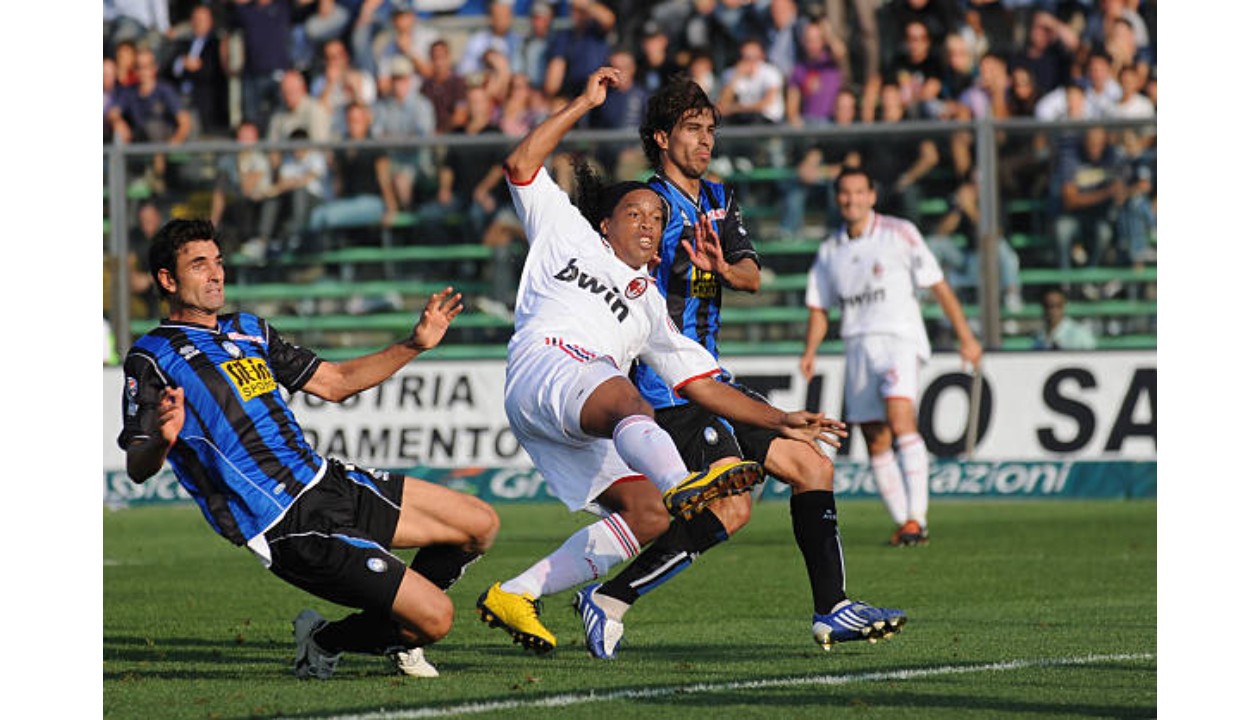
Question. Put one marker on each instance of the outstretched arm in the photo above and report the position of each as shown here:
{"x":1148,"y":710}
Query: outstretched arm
{"x":722,"y":399}
{"x":337,"y":381}
{"x":530,"y":154}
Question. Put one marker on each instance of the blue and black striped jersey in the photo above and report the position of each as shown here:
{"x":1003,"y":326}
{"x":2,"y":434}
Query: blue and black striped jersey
{"x":694,"y":296}
{"x":241,"y":454}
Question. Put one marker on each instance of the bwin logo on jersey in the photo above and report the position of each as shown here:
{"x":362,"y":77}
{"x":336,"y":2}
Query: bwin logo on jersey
{"x":867,"y":297}
{"x":593,"y":285}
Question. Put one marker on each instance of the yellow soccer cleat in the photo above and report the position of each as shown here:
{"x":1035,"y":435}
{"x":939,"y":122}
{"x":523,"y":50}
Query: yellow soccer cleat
{"x":701,"y":488}
{"x":518,"y":615}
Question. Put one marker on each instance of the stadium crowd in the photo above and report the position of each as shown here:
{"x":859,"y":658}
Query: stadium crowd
{"x":331,"y":70}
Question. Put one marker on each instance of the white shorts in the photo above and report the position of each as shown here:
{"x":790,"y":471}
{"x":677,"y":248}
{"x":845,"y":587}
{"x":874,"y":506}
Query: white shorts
{"x":876,"y":368}
{"x":546,"y":388}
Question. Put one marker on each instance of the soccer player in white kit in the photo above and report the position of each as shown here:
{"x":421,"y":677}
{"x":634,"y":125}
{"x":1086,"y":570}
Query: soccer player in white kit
{"x":872,"y":268}
{"x":585,"y":309}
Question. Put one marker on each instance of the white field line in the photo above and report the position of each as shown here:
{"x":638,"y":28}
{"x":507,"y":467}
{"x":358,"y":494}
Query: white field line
{"x":569,"y":699}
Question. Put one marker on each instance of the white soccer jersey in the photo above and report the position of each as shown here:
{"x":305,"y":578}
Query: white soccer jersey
{"x":577,"y":295}
{"x":874,"y":278}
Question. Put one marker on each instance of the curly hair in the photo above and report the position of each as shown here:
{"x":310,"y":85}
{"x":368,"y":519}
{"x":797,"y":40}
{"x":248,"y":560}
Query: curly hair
{"x":596,"y":200}
{"x":170,"y":238}
{"x":679,"y":98}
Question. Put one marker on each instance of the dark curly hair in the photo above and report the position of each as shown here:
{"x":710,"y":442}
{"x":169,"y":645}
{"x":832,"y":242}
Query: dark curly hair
{"x":679,"y":98}
{"x":596,"y":200}
{"x":174,"y":235}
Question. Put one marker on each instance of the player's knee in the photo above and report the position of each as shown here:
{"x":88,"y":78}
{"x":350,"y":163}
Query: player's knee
{"x":484,"y":526}
{"x":431,"y":625}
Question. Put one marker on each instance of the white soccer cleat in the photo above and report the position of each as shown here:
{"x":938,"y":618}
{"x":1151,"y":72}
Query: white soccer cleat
{"x":411,"y":662}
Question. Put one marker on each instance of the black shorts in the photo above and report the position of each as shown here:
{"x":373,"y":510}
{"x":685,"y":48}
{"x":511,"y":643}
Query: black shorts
{"x":702,"y":437}
{"x":334,"y":541}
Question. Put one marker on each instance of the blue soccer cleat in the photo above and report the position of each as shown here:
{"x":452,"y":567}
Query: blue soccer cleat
{"x":603,"y":634}
{"x":852,"y":620}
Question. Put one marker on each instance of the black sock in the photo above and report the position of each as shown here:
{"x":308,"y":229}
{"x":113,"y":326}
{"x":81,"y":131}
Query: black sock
{"x":443,"y":564}
{"x":814,"y":525}
{"x":668,"y":555}
{"x":365,"y":632}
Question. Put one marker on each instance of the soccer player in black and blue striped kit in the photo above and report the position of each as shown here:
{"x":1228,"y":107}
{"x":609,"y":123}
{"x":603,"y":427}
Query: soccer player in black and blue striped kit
{"x":203,"y":392}
{"x":705,"y":248}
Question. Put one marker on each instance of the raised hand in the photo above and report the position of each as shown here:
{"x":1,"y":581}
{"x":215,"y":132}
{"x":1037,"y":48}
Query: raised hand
{"x":436,"y":318}
{"x":706,"y":253}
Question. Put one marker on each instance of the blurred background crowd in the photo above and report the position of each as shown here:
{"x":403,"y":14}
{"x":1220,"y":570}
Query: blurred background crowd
{"x":367,"y":73}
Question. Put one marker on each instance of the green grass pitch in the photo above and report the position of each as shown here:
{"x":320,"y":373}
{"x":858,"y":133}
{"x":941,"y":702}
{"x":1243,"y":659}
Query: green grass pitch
{"x":1017,"y":609}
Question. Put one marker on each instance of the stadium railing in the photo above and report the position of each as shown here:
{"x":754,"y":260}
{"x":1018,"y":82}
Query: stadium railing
{"x":409,"y":260}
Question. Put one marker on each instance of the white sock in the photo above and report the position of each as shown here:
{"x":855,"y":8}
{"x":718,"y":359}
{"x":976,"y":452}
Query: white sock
{"x":649,"y":450}
{"x":588,"y":554}
{"x":913,"y":454}
{"x":891,"y":486}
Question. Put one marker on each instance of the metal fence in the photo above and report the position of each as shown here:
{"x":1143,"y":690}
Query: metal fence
{"x":1017,"y":206}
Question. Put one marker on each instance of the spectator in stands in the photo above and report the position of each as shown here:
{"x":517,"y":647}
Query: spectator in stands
{"x":1123,"y":49}
{"x":1091,"y":193}
{"x":961,"y":262}
{"x":144,"y":22}
{"x":534,"y":45}
{"x":199,"y":71}
{"x":470,"y":189}
{"x":299,"y":111}
{"x":578,"y":51}
{"x":151,"y":111}
{"x":404,"y":115}
{"x":752,"y":89}
{"x":1049,"y":51}
{"x":654,"y":61}
{"x":301,"y":185}
{"x":340,"y":85}
{"x":705,"y":33}
{"x":624,"y":104}
{"x":817,"y":170}
{"x":1067,"y":102}
{"x":109,"y":75}
{"x":363,"y":194}
{"x":125,"y":63}
{"x":1102,"y":89}
{"x":860,"y":18}
{"x":701,"y":71}
{"x":406,"y":38}
{"x":916,"y":71}
{"x":265,"y":27}
{"x":938,"y":17}
{"x":816,"y":80}
{"x":499,"y":35}
{"x":898,"y":164}
{"x":1061,"y":332}
{"x":522,"y":109}
{"x":241,"y":205}
{"x":1135,"y":224}
{"x":1132,"y":104}
{"x":146,"y":302}
{"x":372,"y":20}
{"x":1103,"y":16}
{"x":445,"y":89}
{"x":326,"y":22}
{"x":781,"y":28}
{"x":753,"y":94}
{"x":1023,"y":162}
{"x":960,"y":70}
